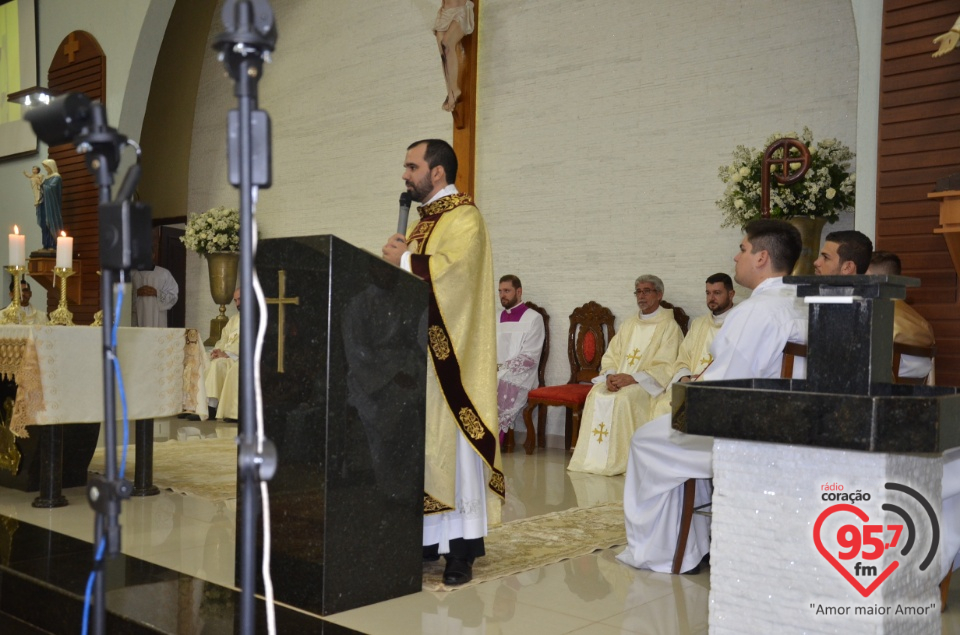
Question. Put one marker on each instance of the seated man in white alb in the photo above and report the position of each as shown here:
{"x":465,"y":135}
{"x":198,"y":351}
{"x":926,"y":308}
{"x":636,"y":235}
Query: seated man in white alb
{"x":636,"y":368}
{"x":28,"y":313}
{"x":222,"y":378}
{"x":750,"y":344}
{"x":694,"y":355}
{"x":519,"y":344}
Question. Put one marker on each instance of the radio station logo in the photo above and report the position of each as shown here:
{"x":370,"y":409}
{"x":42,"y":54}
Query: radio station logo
{"x":855,"y":549}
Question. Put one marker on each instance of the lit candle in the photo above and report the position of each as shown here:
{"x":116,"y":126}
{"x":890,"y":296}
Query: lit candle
{"x":17,"y":248}
{"x":64,"y":251}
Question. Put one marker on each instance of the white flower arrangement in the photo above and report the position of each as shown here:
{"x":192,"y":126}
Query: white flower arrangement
{"x":827,"y":189}
{"x":216,"y":229}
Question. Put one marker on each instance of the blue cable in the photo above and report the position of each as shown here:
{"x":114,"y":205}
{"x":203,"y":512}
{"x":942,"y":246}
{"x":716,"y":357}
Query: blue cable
{"x":89,"y":592}
{"x":123,"y":463}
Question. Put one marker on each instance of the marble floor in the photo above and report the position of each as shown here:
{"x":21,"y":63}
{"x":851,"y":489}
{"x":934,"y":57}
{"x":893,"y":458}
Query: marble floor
{"x":590,"y":595}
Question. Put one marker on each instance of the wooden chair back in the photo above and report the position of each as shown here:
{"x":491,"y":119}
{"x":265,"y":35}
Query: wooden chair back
{"x":679,"y":315}
{"x":591,"y":329}
{"x":542,"y":367}
{"x":791,"y":351}
{"x":899,"y":350}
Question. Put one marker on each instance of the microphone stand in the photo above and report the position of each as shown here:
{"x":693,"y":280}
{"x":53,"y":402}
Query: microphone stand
{"x":247,"y":42}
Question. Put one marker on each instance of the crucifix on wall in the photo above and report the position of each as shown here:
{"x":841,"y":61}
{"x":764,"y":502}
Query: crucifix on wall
{"x":457,"y":29}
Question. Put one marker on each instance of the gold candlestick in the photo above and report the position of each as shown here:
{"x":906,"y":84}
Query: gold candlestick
{"x":12,"y":314}
{"x":62,"y":315}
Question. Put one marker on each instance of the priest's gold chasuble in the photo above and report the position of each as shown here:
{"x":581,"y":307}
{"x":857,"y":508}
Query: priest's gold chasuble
{"x":453,"y":255}
{"x":694,"y":355}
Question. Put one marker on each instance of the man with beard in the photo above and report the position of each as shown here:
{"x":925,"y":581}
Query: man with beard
{"x":519,"y":344}
{"x":449,"y":248}
{"x":750,"y":344}
{"x":694,"y":355}
{"x":635,"y":369}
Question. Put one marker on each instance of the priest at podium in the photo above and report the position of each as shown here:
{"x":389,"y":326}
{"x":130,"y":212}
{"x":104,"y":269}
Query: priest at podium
{"x":449,"y":248}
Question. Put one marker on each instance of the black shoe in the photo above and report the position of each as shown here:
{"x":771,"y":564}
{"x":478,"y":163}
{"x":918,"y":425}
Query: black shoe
{"x":191,"y":417}
{"x":704,"y":562}
{"x":458,"y":571}
{"x":229,"y":420}
{"x":211,"y":412}
{"x":431,"y":553}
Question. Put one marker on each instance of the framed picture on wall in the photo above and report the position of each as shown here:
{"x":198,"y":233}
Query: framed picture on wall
{"x":18,"y":71}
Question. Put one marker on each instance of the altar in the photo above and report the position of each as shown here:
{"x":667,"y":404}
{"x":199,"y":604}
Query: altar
{"x":59,"y":380}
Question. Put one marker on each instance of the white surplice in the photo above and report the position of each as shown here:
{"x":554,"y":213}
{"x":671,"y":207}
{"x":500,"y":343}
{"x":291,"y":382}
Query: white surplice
{"x":750,"y":344}
{"x":519,"y":345}
{"x":149,"y":310}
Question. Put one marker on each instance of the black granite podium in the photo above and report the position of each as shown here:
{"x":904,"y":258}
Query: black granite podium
{"x":343,"y":374}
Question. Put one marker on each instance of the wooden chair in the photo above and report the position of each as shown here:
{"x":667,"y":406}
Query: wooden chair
{"x":591,"y":328}
{"x":541,"y":368}
{"x":899,"y":350}
{"x":791,"y":351}
{"x":679,"y":315}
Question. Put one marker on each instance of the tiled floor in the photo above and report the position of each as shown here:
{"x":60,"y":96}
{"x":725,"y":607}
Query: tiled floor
{"x":591,"y":595}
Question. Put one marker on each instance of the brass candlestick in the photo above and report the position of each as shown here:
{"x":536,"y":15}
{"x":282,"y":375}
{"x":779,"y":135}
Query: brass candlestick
{"x":12,"y":314}
{"x":98,"y":316}
{"x":62,"y":315}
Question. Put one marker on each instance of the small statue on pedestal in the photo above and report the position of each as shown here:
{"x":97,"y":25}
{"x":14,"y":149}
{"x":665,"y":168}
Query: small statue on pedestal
{"x":48,"y":211}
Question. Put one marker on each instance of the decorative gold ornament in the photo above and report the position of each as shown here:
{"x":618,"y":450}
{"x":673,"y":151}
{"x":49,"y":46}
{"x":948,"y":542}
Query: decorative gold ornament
{"x":439,"y":342}
{"x":471,"y":423}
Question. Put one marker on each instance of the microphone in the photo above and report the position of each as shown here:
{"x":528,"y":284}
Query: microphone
{"x":404,"y":213}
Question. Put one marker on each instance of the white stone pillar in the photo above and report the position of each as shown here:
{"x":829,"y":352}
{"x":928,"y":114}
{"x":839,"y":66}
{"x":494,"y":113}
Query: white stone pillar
{"x":767,"y":574}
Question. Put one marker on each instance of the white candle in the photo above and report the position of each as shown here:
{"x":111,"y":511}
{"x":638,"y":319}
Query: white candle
{"x":64,"y":251}
{"x":17,"y":249}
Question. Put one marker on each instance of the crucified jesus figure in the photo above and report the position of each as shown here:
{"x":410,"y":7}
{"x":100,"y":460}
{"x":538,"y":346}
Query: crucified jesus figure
{"x":455,"y":19}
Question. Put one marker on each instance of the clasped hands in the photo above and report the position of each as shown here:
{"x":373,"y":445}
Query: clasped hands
{"x":146,"y":290}
{"x":395,"y":248}
{"x":619,"y":380}
{"x":217,"y":354}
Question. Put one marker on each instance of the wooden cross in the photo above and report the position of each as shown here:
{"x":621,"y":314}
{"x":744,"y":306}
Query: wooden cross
{"x":71,"y":47}
{"x":465,"y":114}
{"x":600,"y":431}
{"x":634,"y":357}
{"x":280,"y":301}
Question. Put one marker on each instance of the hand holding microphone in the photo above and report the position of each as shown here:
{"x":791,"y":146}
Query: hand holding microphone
{"x":397,"y":244}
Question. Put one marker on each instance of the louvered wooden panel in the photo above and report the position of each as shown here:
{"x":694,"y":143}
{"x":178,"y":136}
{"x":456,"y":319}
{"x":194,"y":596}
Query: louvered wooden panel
{"x":919,"y":142}
{"x":79,"y":66}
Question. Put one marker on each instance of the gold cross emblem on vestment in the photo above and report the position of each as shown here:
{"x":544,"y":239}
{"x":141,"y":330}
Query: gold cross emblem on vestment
{"x":281,"y":300}
{"x":705,"y":360}
{"x":634,"y":357}
{"x":601,"y":431}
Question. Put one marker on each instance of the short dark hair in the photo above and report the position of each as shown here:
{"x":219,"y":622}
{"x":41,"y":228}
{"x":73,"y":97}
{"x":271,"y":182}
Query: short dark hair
{"x":853,"y":246}
{"x":512,"y":279}
{"x":721,"y":277}
{"x":22,"y":282}
{"x":439,"y":152}
{"x":778,"y":238}
{"x":886,"y":262}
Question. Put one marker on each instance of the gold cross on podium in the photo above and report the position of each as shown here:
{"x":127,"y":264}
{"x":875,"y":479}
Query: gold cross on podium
{"x":281,"y":300}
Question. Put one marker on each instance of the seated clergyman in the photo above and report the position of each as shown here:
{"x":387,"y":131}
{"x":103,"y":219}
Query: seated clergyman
{"x":28,"y":313}
{"x":636,"y":367}
{"x":694,"y":356}
{"x":222,"y":377}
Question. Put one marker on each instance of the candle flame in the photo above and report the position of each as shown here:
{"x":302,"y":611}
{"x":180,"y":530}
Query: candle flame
{"x":63,"y":233}
{"x":16,"y":230}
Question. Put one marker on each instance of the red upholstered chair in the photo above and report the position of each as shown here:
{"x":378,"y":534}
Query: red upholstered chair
{"x":791,"y":351}
{"x":541,"y":368}
{"x":591,"y":327}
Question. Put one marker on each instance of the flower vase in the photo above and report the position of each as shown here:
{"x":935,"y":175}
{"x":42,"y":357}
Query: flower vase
{"x":810,"y":228}
{"x":222,"y":267}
